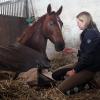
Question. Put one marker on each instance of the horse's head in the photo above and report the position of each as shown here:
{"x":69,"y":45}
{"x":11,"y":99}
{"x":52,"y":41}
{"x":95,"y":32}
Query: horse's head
{"x":52,"y":26}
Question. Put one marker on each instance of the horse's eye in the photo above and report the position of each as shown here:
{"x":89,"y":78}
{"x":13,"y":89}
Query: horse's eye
{"x":62,"y":23}
{"x":51,"y":23}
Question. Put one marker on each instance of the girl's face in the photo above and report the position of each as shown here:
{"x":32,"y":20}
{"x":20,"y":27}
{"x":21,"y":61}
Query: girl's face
{"x":81,"y":24}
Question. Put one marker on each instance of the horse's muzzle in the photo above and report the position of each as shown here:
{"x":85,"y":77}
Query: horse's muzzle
{"x":59,"y":46}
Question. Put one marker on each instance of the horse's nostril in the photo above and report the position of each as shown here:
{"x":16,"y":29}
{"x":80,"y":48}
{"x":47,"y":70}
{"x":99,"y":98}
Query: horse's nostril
{"x":59,"y":46}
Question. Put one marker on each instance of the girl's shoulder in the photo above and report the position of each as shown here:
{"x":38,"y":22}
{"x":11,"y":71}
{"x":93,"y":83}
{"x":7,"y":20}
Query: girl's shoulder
{"x":92,"y":33}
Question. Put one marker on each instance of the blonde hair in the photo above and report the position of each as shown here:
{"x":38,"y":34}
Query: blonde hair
{"x":86,"y":16}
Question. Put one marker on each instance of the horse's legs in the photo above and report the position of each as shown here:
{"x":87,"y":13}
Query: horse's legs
{"x":47,"y":73}
{"x":30,"y":76}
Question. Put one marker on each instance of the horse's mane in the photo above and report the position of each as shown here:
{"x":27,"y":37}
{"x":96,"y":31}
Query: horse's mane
{"x":28,"y":32}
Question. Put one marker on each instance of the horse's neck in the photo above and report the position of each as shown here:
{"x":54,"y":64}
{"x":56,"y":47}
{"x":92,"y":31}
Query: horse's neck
{"x":38,"y":41}
{"x":33,"y":37}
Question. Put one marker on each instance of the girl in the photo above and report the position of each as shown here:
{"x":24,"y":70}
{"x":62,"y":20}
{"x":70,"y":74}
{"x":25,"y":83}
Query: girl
{"x":88,"y":55}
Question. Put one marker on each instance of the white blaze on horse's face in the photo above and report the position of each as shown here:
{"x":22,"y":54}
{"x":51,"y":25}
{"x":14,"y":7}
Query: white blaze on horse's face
{"x":52,"y":24}
{"x":60,"y":23}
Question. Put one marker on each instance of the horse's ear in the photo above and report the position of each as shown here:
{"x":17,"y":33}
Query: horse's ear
{"x":59,"y":11}
{"x":49,"y":9}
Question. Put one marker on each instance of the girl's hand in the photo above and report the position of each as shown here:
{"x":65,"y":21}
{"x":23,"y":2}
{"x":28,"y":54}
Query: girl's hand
{"x":69,"y":50}
{"x":71,"y":73}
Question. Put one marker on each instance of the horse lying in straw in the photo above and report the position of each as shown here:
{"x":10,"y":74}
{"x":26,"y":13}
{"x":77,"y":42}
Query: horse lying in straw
{"x":29,"y":53}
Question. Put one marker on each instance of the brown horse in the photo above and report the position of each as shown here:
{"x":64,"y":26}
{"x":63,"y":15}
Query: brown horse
{"x":34,"y":38}
{"x":47,"y":27}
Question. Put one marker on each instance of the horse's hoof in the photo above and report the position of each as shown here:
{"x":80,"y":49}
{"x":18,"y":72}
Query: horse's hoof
{"x":45,"y":82}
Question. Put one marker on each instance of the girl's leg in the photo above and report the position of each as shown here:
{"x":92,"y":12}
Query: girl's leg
{"x":59,"y":73}
{"x":79,"y":78}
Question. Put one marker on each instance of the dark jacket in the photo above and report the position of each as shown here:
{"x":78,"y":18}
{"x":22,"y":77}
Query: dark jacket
{"x":89,"y":53}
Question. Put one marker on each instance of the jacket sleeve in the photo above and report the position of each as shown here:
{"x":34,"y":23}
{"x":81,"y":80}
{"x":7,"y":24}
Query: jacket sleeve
{"x":86,"y":59}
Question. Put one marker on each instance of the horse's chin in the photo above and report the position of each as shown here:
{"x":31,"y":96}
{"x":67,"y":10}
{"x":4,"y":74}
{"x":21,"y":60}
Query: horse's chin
{"x":58,"y":50}
{"x":59,"y":47}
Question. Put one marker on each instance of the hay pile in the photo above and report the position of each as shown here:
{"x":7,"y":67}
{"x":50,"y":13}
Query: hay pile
{"x":17,"y":90}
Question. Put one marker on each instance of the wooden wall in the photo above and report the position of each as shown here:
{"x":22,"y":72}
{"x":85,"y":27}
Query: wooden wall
{"x":10,"y":28}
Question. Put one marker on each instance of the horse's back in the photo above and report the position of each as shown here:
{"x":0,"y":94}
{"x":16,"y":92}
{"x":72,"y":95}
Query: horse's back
{"x":20,"y":58}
